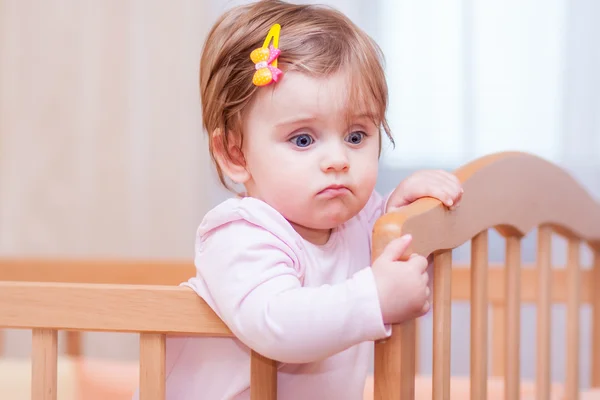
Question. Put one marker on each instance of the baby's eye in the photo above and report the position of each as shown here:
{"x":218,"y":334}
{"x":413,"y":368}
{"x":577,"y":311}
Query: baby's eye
{"x":302,"y":140}
{"x":356,"y":137}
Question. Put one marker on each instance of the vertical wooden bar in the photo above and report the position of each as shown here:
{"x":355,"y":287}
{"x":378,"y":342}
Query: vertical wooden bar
{"x":417,"y":347}
{"x":395,"y":364}
{"x":152,"y":366}
{"x":479,"y":315}
{"x":573,"y":304}
{"x":44,"y":364}
{"x":595,"y":339}
{"x":74,"y":343}
{"x":263,"y":377}
{"x":512,"y":290}
{"x":498,"y":334}
{"x":544,"y":268}
{"x":442,"y":285}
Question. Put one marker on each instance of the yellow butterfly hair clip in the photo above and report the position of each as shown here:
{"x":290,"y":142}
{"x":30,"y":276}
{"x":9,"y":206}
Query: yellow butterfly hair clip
{"x":265,"y":59}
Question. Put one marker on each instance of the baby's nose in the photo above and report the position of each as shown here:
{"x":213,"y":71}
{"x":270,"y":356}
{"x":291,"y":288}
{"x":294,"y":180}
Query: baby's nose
{"x":335,"y":160}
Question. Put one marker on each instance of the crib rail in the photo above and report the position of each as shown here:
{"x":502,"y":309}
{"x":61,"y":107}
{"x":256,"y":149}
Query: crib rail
{"x":110,"y":308}
{"x":107,"y":270}
{"x":48,"y":307}
{"x":509,"y":192}
{"x":513,"y":193}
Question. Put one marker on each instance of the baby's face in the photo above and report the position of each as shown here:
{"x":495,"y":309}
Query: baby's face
{"x":305,"y":158}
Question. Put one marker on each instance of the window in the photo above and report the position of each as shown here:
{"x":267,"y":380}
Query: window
{"x":468,"y":78}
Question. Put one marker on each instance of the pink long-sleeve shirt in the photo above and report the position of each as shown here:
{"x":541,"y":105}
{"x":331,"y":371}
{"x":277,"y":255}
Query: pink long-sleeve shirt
{"x":314,"y":309}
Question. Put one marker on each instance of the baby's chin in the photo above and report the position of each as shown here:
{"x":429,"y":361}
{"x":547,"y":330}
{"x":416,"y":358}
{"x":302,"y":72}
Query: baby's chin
{"x":325,"y":221}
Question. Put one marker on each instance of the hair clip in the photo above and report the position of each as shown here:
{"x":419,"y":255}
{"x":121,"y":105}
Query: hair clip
{"x":265,"y":59}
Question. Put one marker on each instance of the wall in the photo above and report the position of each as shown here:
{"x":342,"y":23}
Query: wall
{"x":101,"y":148}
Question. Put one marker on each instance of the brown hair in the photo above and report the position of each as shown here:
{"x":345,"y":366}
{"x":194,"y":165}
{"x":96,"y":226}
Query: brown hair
{"x":315,"y":40}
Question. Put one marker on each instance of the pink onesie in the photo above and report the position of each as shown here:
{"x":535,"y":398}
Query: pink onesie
{"x":312,"y":308}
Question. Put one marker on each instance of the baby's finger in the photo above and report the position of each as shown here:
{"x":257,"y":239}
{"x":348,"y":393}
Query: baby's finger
{"x":395,"y":249}
{"x":421,"y":263}
{"x":426,"y":307}
{"x":441,"y":192}
{"x":450,"y":180}
{"x":453,"y":194}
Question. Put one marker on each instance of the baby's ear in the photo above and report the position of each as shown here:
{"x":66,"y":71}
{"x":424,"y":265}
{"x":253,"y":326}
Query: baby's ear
{"x":228,"y":154}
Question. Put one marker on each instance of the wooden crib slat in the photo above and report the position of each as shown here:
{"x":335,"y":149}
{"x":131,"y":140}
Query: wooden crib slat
{"x":595,"y":339}
{"x":417,"y":346}
{"x":44,"y":364}
{"x":543,"y":312}
{"x":479,"y":315}
{"x":573,"y":304}
{"x":263,"y":377}
{"x":152,"y":366}
{"x":74,"y":343}
{"x":394,"y":372}
{"x":498,"y":336}
{"x":442,"y":284}
{"x":512,"y":290}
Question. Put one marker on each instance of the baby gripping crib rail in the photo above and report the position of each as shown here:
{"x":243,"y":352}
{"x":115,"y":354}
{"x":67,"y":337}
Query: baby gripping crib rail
{"x":513,"y":193}
{"x":509,"y":192}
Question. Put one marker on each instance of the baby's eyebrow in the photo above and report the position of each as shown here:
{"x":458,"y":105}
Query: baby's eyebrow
{"x":362,"y":116}
{"x":296,"y":120}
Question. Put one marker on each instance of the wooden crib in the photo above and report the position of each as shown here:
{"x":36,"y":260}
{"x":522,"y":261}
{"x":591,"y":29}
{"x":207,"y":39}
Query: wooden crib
{"x":513,"y":193}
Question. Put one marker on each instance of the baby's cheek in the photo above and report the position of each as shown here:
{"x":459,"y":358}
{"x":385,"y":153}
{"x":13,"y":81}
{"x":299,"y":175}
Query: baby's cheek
{"x":367,"y":173}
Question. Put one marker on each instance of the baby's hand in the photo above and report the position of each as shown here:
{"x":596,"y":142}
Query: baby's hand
{"x":439,"y":184}
{"x":401,"y":285}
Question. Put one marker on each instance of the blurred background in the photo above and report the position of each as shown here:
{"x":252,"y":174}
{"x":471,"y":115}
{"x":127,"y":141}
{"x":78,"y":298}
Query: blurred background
{"x":102,"y":152}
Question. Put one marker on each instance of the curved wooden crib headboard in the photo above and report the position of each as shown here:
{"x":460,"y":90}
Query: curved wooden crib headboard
{"x":509,"y":192}
{"x":513,"y":193}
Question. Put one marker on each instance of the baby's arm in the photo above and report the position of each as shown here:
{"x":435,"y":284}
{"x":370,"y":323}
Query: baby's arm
{"x":258,"y":293}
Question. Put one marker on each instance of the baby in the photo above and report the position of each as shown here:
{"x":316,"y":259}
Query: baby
{"x":294,"y":100}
